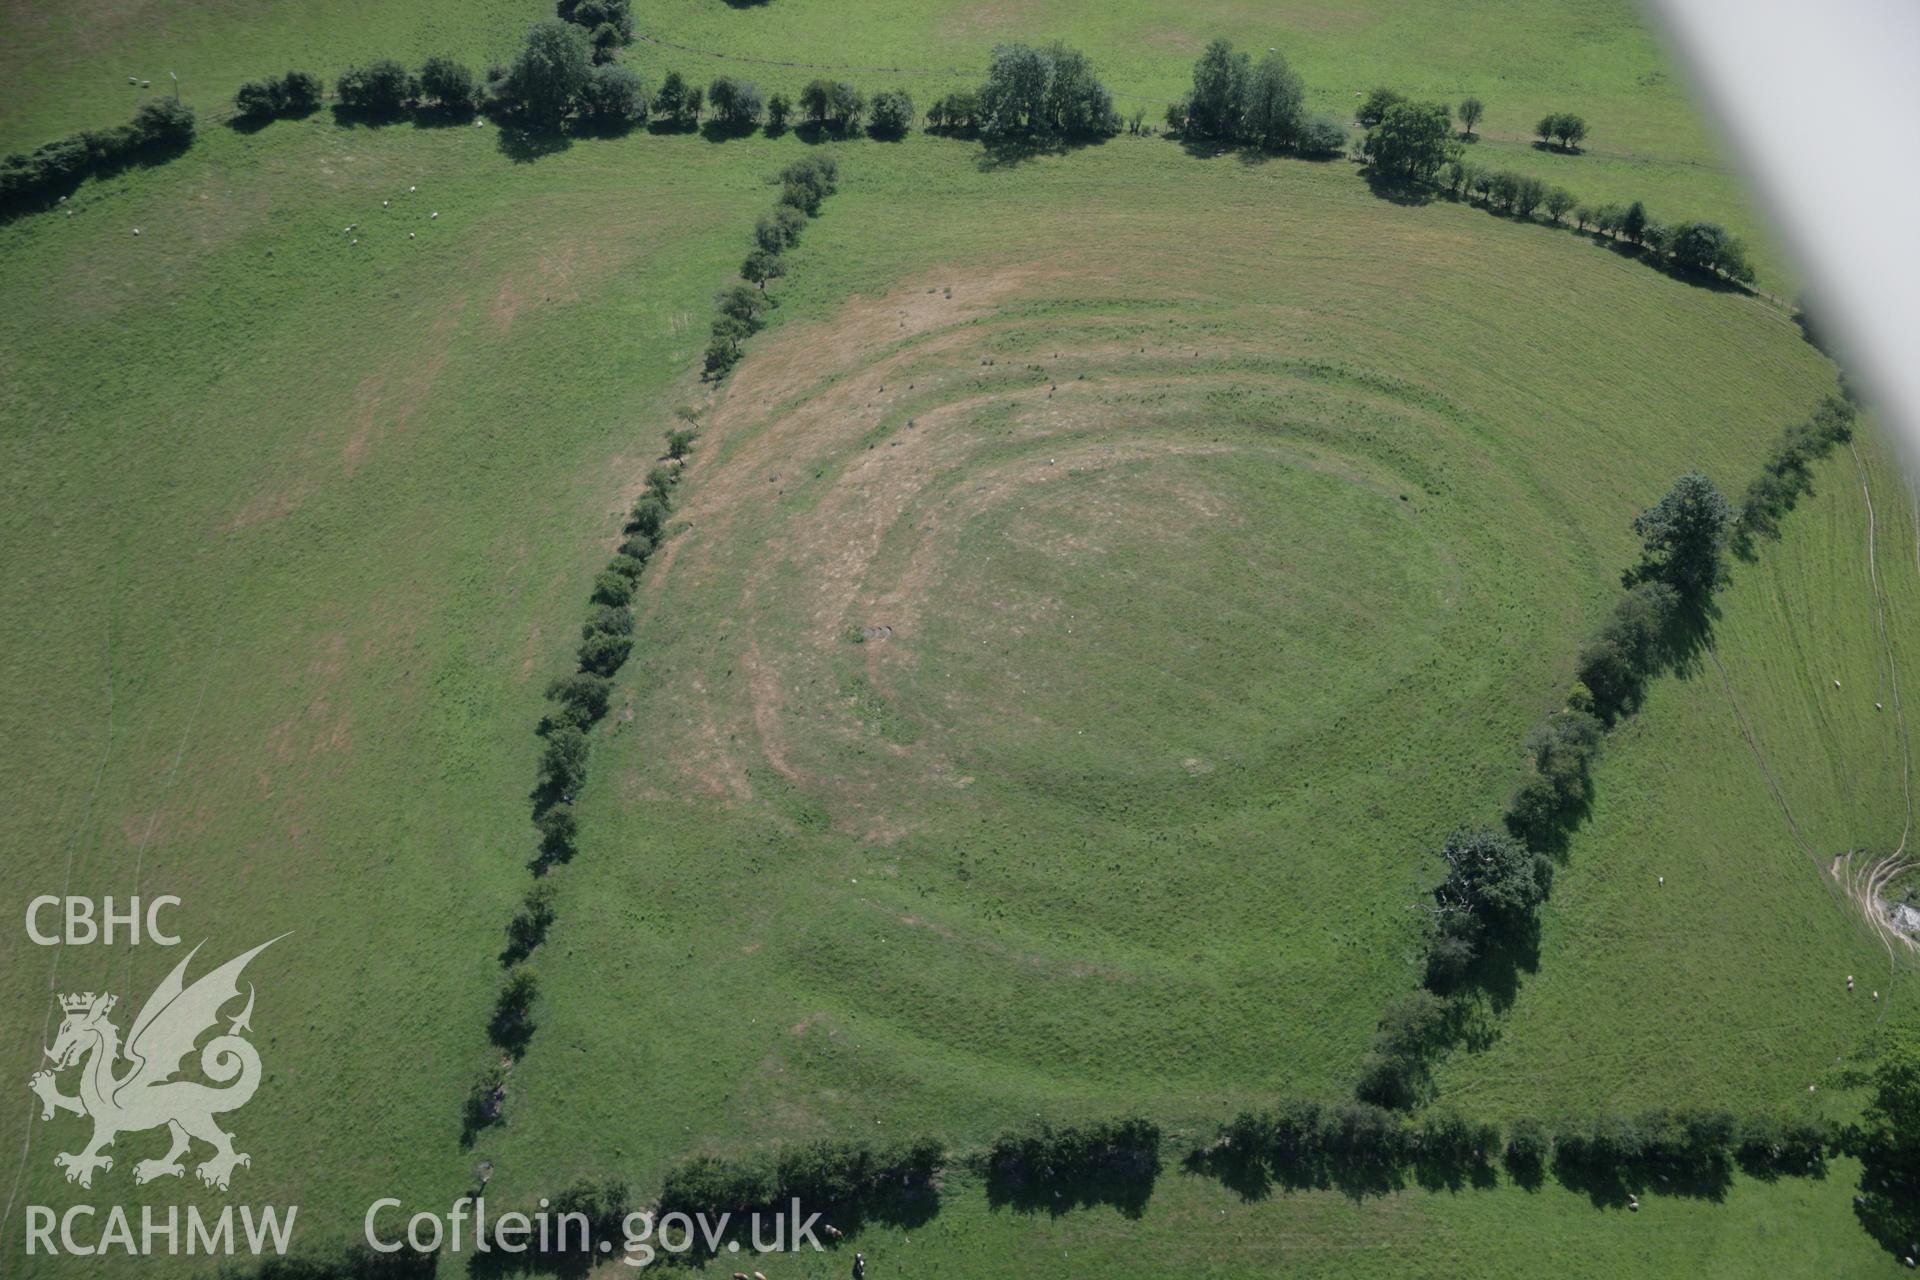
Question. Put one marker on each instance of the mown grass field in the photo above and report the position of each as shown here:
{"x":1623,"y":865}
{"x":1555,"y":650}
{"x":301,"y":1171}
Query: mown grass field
{"x":1216,"y":597}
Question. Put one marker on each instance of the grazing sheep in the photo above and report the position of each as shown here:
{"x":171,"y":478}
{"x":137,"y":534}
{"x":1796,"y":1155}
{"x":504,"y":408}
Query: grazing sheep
{"x":132,"y":80}
{"x":739,"y":1275}
{"x":436,"y":213}
{"x":411,"y":190}
{"x":833,"y":1232}
{"x":1663,"y":881}
{"x":136,"y":231}
{"x":409,"y":235}
{"x":1876,"y":706}
{"x":1836,"y":684}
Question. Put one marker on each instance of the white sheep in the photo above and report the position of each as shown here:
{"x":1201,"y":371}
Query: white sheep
{"x":136,"y":231}
{"x":409,"y":235}
{"x":411,"y":190}
{"x":1836,"y":684}
{"x":435,"y":214}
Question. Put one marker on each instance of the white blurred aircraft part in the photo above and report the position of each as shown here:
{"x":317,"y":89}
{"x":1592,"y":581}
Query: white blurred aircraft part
{"x":1821,"y":102}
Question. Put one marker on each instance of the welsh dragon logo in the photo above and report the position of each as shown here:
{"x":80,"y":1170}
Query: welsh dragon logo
{"x":146,"y":1095}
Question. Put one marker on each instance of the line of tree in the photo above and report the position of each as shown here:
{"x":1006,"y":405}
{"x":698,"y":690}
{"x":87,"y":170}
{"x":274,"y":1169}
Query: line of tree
{"x":741,"y":308}
{"x":295,"y":94}
{"x":1261,"y":105}
{"x":578,"y":701}
{"x":1700,"y":248}
{"x":1482,"y":919}
{"x":1787,"y":474}
{"x":1364,"y":1149}
{"x":34,"y":180}
{"x":1046,"y":1152}
{"x":852,"y":1177}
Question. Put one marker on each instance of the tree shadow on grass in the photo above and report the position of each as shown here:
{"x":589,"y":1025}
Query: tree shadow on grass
{"x":997,"y":153}
{"x":525,"y":145}
{"x":720,"y":131}
{"x":444,"y":117}
{"x":1125,"y":1182}
{"x":1887,"y":1204}
{"x":1398,"y":190}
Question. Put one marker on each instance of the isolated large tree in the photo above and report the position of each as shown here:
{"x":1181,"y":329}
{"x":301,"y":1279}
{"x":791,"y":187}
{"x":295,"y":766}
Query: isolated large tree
{"x":1471,"y":109}
{"x":551,"y":69}
{"x":1683,"y":534}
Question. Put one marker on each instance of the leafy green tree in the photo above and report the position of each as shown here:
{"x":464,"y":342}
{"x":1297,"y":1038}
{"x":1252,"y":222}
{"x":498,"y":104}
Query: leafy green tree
{"x":763,"y":265}
{"x":1633,"y":223}
{"x":300,"y":93}
{"x":583,"y":696}
{"x":1709,"y":248}
{"x":591,"y":14}
{"x":613,"y":96}
{"x":1570,"y":131}
{"x":1491,"y":878}
{"x":804,"y":184}
{"x":779,"y":108}
{"x":549,"y":72}
{"x":1411,"y":141}
{"x":1559,"y":200}
{"x":834,"y":104}
{"x":382,"y":88}
{"x":1219,"y":91}
{"x":602,"y":654}
{"x":447,"y":82}
{"x":736,"y":103}
{"x":1273,"y":110}
{"x":1374,"y":109}
{"x":563,"y":764}
{"x":1528,"y":194}
{"x":745,"y":304}
{"x":891,"y":114}
{"x":1043,"y":93}
{"x":780,"y":229}
{"x":1471,"y":110}
{"x":612,"y":588}
{"x":1682,"y":536}
{"x":671,"y":102}
{"x":1078,"y":104}
{"x":257,"y":100}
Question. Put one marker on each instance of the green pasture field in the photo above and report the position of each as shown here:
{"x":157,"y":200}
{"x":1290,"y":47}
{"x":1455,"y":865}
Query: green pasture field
{"x":1221,"y":528}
